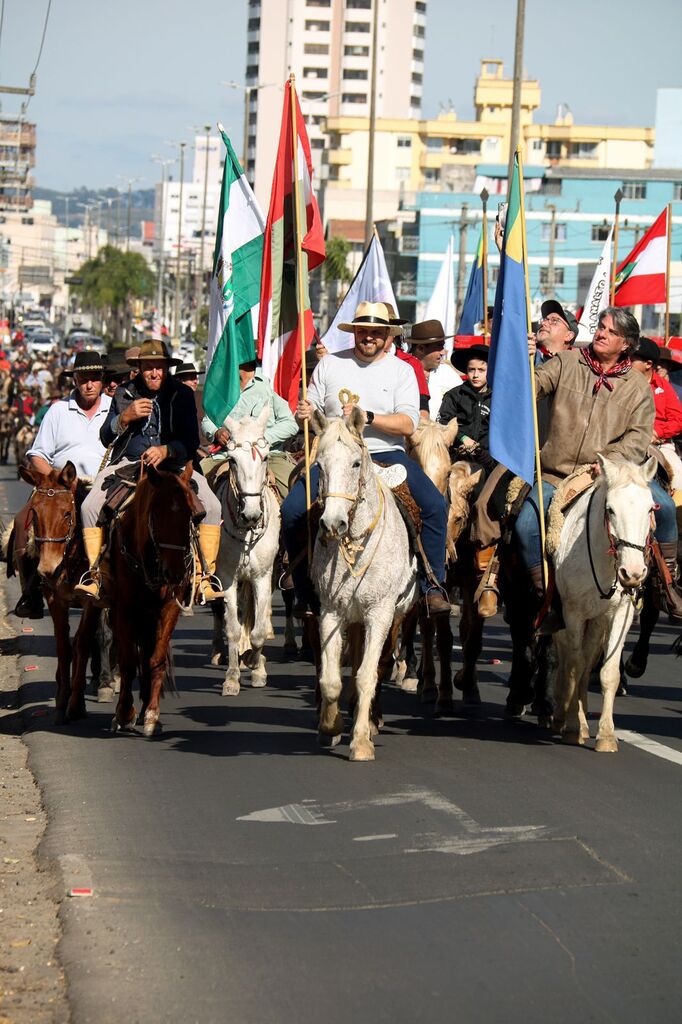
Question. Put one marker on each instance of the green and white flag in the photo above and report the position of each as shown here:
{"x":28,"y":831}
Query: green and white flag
{"x":235,"y":289}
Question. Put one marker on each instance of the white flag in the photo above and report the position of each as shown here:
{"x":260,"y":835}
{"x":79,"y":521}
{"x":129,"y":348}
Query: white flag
{"x":370,"y":284}
{"x":441,"y":305}
{"x":597,"y":296}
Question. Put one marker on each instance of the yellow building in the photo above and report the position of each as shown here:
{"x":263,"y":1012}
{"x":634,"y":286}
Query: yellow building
{"x":443,"y":153}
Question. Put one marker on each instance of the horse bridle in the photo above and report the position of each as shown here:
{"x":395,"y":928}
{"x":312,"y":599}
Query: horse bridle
{"x":257,"y":452}
{"x":615,"y":545}
{"x":352,"y":549}
{"x":50,"y":492}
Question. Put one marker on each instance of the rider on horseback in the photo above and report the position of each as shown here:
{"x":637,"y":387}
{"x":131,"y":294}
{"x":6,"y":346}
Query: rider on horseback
{"x":152,"y":420}
{"x":387,"y":391}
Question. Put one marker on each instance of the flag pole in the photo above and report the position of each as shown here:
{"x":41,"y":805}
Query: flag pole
{"x":666,"y":339}
{"x":300,"y":295}
{"x":618,"y":196}
{"x":536,"y":434}
{"x":484,"y":260}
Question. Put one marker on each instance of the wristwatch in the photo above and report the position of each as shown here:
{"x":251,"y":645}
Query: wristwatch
{"x":370,"y":417}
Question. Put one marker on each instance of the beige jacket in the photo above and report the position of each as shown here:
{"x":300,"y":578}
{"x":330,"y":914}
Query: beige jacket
{"x":618,"y":424}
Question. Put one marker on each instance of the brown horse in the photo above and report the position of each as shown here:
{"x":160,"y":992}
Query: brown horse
{"x":55,"y":542}
{"x":151,"y":569}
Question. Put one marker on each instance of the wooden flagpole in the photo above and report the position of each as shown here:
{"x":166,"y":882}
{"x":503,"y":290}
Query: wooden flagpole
{"x":536,"y":434}
{"x":300,"y":295}
{"x":484,"y":260}
{"x":669,"y":240}
{"x":618,"y":196}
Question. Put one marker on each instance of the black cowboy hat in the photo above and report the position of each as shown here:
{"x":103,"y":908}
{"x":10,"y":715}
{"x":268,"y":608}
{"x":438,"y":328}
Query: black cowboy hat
{"x":552,"y":306}
{"x":647,"y":350}
{"x":85,"y":362}
{"x":461,"y":356}
{"x":187,"y":370}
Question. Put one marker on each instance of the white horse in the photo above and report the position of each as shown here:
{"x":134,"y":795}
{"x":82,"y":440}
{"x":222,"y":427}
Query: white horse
{"x":248,"y":548}
{"x":363,"y":570}
{"x":600,"y":564}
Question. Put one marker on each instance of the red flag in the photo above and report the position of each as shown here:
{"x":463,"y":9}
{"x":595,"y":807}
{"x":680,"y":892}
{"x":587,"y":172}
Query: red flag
{"x":640,"y":278}
{"x":279,"y":343}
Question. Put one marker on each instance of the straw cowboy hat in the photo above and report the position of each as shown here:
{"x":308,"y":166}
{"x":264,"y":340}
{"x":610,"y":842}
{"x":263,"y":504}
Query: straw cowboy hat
{"x":152,"y":351}
{"x":368,"y":314}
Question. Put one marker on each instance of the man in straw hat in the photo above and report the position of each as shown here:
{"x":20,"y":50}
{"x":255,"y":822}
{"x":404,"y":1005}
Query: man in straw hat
{"x":387,"y":391}
{"x":69,"y":432}
{"x":152,"y":420}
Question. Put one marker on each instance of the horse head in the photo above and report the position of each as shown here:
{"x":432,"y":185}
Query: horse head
{"x":628,"y":516}
{"x":163,"y":510}
{"x":247,"y":452}
{"x":430,"y":447}
{"x":343,"y":463}
{"x":52,"y":514}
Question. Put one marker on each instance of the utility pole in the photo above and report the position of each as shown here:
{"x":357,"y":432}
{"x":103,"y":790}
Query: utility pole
{"x":203,"y":220}
{"x":129,"y":214}
{"x":551,"y":288}
{"x":369,"y":208}
{"x":176,"y":326}
{"x":162,"y":233}
{"x":518,"y":83}
{"x":461,"y":265}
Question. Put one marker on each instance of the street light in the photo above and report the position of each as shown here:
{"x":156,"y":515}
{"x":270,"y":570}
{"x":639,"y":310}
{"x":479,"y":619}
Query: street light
{"x":248,"y":90}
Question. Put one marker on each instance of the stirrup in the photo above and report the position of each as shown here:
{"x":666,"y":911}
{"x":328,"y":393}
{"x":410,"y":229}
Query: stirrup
{"x":90,"y":583}
{"x":214,"y":583}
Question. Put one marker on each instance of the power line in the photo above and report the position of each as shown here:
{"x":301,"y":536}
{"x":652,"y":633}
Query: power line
{"x":40,"y":50}
{"x":2,"y":17}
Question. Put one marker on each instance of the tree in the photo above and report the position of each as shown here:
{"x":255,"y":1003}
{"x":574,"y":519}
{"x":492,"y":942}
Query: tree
{"x":110,"y":281}
{"x":336,"y":261}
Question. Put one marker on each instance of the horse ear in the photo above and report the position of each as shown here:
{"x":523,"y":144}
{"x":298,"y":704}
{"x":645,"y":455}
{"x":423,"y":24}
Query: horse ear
{"x":356,"y":421}
{"x":450,"y":432}
{"x":27,"y":474}
{"x":318,"y":421}
{"x":604,"y":465}
{"x":474,"y":479}
{"x":650,"y":468}
{"x":68,"y":475}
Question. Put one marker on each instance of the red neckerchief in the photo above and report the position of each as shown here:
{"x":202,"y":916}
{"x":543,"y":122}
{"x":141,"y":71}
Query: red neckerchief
{"x":603,"y":375}
{"x":545,"y":352}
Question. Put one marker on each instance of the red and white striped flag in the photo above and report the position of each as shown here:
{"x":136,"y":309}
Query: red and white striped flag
{"x":279,"y":343}
{"x":640,"y":278}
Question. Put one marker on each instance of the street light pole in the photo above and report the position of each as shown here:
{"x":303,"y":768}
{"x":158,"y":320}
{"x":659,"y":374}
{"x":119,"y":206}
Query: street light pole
{"x":203,"y":218}
{"x":369,"y":208}
{"x":164,"y":162}
{"x":518,"y":84}
{"x":176,"y":326}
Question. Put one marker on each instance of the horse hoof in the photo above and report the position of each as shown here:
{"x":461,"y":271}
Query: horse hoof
{"x":471,"y":697}
{"x":409,"y":684}
{"x":634,"y":668}
{"x":327,"y":741}
{"x":105,"y":694}
{"x":572,"y":739}
{"x":60,"y":717}
{"x":75,"y":713}
{"x":216,"y":658}
{"x":545,"y":721}
{"x":362,"y":750}
{"x":607,"y":745}
{"x":514,"y":710}
{"x":230,"y":688}
{"x":445,"y":706}
{"x":291,"y":648}
{"x":258,"y":682}
{"x":152,"y":725}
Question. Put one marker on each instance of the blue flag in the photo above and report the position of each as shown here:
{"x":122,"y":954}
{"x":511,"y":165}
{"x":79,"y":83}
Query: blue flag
{"x":472,"y":309}
{"x":512,"y":435}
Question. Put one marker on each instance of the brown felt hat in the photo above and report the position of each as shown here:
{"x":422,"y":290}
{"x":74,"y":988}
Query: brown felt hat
{"x":152,"y":350}
{"x":427,"y":333}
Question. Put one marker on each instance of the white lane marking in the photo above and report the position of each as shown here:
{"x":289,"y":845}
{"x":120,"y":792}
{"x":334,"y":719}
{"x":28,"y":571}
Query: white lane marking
{"x":371,"y":839}
{"x":294,"y":814}
{"x":651,"y":746}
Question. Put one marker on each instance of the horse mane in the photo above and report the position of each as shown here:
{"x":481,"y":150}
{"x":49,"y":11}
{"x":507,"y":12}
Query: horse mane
{"x":623,"y":473}
{"x":337,"y":430}
{"x":148,"y":494}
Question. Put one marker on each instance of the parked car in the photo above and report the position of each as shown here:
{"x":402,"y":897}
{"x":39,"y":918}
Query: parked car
{"x":40,"y":342}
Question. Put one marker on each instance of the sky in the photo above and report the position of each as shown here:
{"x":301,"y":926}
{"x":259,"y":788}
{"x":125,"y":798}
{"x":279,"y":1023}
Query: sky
{"x":121,"y":79}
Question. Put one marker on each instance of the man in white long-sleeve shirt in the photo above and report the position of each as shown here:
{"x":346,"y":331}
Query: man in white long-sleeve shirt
{"x":388,"y":395}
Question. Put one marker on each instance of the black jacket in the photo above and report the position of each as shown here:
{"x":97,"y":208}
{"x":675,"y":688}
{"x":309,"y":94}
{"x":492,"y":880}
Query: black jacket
{"x":471,"y":409}
{"x":173,"y":422}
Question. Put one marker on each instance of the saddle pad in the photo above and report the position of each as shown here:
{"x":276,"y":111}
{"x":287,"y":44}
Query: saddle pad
{"x":566,"y":494}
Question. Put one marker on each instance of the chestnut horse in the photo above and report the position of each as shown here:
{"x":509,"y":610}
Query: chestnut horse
{"x":151,"y":565}
{"x":55,"y":541}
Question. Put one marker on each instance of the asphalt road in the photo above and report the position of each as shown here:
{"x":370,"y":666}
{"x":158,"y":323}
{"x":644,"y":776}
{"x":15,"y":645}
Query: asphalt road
{"x":478,"y":871}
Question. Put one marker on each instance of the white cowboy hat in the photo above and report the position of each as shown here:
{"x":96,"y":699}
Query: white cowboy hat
{"x":369,"y":313}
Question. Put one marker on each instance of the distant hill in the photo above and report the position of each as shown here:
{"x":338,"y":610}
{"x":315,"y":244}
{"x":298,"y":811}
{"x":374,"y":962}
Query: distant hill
{"x":142,"y":206}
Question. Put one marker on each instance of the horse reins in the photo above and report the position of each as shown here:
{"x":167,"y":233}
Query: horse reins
{"x":615,"y":544}
{"x":50,"y":492}
{"x":238,"y":494}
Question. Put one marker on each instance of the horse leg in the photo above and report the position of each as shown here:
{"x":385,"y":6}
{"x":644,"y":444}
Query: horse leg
{"x":330,"y":726}
{"x":571,"y":665}
{"x":384,"y":671}
{"x":169,"y":615}
{"x":593,"y":646}
{"x":262,"y":602}
{"x":636,"y":664}
{"x":233,"y":631}
{"x":218,"y":647}
{"x":376,"y":631}
{"x":609,"y":677}
{"x":83,"y":644}
{"x":471,"y":639}
{"x":427,"y":669}
{"x":406,"y":677}
{"x":444,"y":703}
{"x":545,"y":656}
{"x":124,"y":716}
{"x":290,"y":645}
{"x":60,"y":619}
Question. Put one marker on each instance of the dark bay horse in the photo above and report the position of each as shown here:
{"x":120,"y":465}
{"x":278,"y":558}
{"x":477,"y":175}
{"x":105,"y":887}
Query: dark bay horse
{"x":151,"y":569}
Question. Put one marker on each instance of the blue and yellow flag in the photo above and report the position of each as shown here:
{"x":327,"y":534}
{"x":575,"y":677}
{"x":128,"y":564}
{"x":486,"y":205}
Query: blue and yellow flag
{"x":472,"y":309}
{"x":512,"y":435}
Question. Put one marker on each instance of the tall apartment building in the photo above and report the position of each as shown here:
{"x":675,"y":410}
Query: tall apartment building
{"x":327,"y":44}
{"x":17,"y":157}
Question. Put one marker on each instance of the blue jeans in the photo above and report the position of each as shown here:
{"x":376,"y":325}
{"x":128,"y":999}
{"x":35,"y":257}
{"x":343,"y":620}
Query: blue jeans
{"x":527,"y":527}
{"x":431,"y":502}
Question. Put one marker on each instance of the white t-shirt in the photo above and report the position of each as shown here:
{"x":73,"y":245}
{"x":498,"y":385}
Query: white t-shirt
{"x":67,"y":434}
{"x":385,"y":386}
{"x":441,"y":380}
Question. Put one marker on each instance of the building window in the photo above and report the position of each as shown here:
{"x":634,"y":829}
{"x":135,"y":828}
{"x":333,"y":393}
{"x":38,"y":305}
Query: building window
{"x":677,"y":191}
{"x":404,"y":142}
{"x":418,"y":56}
{"x":315,"y":73}
{"x":357,"y":73}
{"x":356,"y":51}
{"x":318,"y":3}
{"x":538,"y":145}
{"x":420,"y":7}
{"x":494,"y":274}
{"x":357,"y":26}
{"x":252,"y":71}
{"x":417,"y":77}
{"x":27,"y":220}
{"x":551,"y":187}
{"x":317,"y":26}
{"x":253,"y":24}
{"x":600,"y":232}
{"x":553,"y":150}
{"x":418,"y":31}
{"x":434,"y":142}
{"x":359,"y":5}
{"x":432,"y":175}
{"x":307,"y":95}
{"x":253,"y":48}
{"x":546,"y":232}
{"x":558,"y":276}
{"x":322,"y":48}
{"x":317,"y":143}
{"x":634,"y":190}
{"x":583,"y":150}
{"x":353,"y":97}
{"x":464,"y":146}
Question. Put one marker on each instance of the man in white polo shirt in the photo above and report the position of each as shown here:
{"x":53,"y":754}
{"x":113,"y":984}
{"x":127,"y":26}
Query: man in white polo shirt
{"x":69,"y":432}
{"x":387,"y":392}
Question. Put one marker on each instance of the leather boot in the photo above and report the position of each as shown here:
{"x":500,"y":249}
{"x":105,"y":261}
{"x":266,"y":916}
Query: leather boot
{"x":30,"y":604}
{"x":672,"y":599}
{"x":436,"y":603}
{"x":209,"y":542}
{"x":93,"y":541}
{"x":486,"y":574}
